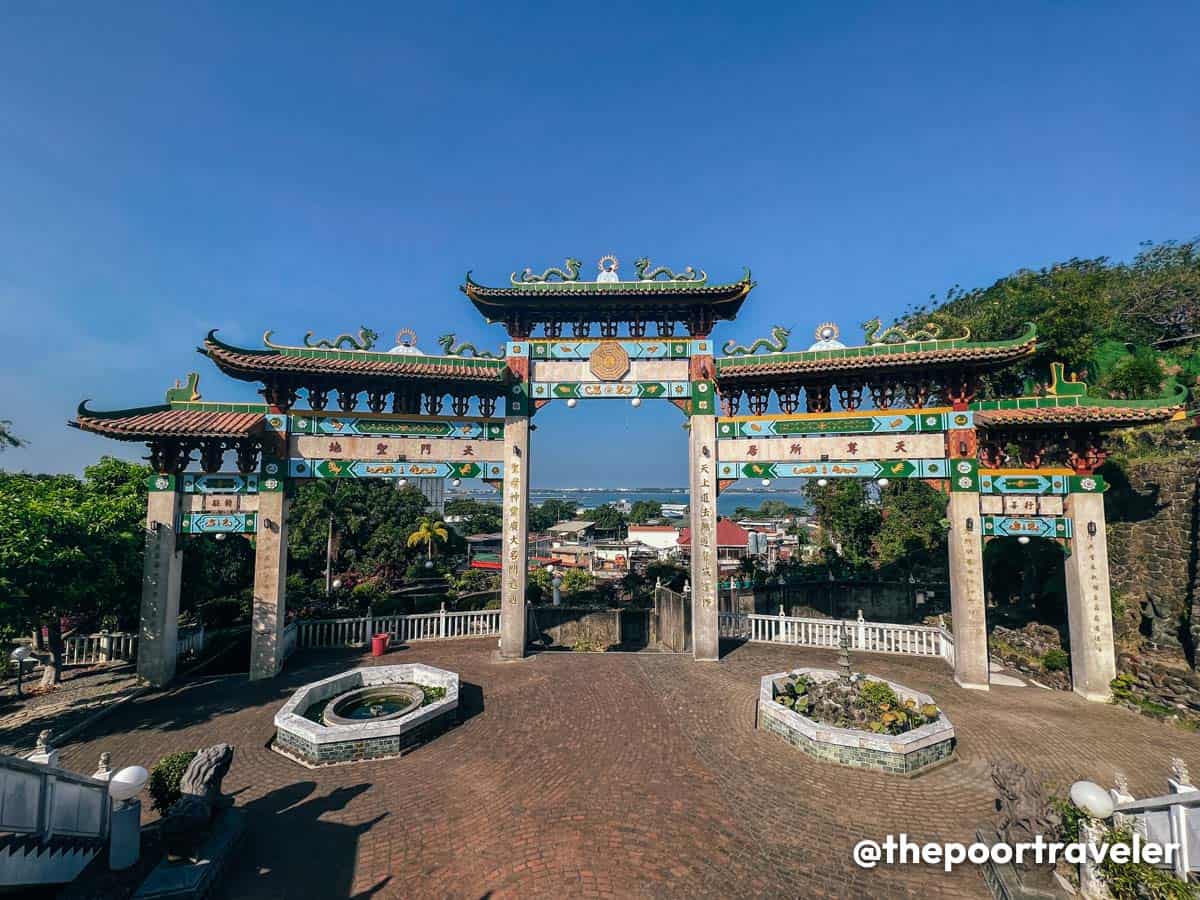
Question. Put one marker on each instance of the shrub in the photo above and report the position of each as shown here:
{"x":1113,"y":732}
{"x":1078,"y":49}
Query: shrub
{"x":366,"y":593}
{"x":575,"y":581}
{"x":1056,"y":660}
{"x":879,"y":693}
{"x":165,"y":777}
{"x":1133,"y":881}
{"x":220,"y":613}
{"x":1122,"y":687}
{"x":586,"y":645}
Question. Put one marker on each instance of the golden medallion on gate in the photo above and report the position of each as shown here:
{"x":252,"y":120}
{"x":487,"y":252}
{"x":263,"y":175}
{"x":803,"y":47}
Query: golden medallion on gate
{"x":609,"y":361}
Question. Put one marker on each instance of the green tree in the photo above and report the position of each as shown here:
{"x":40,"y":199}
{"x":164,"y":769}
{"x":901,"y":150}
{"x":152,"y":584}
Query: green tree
{"x":848,"y":520}
{"x":575,"y":581}
{"x":70,"y":549}
{"x":393,"y":515}
{"x":768,"y":509}
{"x":477,"y":517}
{"x":551,"y":512}
{"x":913,"y":526}
{"x":372,"y":523}
{"x":643,"y":511}
{"x":607,"y":518}
{"x":334,"y":501}
{"x":539,"y":581}
{"x":1136,"y":376}
{"x":427,"y":532}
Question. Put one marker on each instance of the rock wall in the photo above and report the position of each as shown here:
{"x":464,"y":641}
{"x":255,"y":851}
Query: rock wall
{"x":1164,"y":683}
{"x":1151,"y":507}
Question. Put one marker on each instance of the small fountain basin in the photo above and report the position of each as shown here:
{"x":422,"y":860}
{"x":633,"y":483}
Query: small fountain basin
{"x":369,"y":713}
{"x":373,"y":704}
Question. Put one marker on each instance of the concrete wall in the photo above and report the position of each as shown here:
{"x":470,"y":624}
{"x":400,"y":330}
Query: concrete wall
{"x":563,"y":626}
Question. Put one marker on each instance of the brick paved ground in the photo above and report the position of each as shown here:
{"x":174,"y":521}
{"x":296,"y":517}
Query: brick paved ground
{"x":615,"y":775}
{"x":83,"y":692}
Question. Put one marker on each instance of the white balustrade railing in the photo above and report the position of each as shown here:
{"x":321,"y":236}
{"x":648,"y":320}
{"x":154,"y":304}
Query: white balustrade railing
{"x":440,"y":625}
{"x":94,"y":648}
{"x":105,"y":646}
{"x":733,"y":625}
{"x":869,"y":637}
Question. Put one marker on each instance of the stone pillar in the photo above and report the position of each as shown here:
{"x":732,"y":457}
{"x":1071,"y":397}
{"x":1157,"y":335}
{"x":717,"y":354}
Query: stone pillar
{"x":270,"y":585}
{"x":967,"y":600}
{"x":162,"y":566}
{"x":1089,"y":602}
{"x":513,"y":550}
{"x":702,"y":484}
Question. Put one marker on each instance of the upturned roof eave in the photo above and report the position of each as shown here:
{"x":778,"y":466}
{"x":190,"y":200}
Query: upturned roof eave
{"x":262,"y":365}
{"x":909,"y":355}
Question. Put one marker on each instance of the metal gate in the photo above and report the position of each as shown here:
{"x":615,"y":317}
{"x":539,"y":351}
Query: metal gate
{"x":673,"y":619}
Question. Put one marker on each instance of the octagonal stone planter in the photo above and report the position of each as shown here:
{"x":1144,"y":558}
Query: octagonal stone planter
{"x":315,"y":744}
{"x":910,"y":753}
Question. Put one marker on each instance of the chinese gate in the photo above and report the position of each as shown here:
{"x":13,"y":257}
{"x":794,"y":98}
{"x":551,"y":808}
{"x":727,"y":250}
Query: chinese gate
{"x":901,"y":405}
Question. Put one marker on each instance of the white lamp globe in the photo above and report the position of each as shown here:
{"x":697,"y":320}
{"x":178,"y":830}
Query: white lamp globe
{"x":1092,"y":799}
{"x":821,"y":482}
{"x":337,"y":583}
{"x":456,"y":481}
{"x":1023,"y":539}
{"x":635,"y":402}
{"x":402,"y":481}
{"x":572,"y":403}
{"x":766,"y":482}
{"x":128,"y":783}
{"x":883,"y":482}
{"x":429,"y":563}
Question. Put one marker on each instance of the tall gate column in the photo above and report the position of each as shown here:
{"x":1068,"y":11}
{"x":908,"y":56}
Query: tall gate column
{"x":515,"y":547}
{"x":702,"y":478}
{"x":968,"y":605}
{"x":162,"y":566}
{"x":1089,"y":601}
{"x":268,"y":617}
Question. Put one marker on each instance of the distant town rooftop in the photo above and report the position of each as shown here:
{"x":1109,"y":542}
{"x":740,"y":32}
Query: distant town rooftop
{"x":575,"y":527}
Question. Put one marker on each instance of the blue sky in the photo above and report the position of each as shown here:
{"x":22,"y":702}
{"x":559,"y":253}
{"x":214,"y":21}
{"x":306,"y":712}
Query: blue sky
{"x":165,"y":171}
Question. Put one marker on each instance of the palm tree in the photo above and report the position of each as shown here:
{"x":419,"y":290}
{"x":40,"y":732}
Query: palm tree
{"x":338,"y":505}
{"x":7,"y":438}
{"x":427,"y":532}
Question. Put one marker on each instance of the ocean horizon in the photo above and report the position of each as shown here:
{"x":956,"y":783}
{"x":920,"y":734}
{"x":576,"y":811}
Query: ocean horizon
{"x":591,"y":497}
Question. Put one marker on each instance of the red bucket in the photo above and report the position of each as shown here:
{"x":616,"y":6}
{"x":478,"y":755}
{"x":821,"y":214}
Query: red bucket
{"x":379,"y":644}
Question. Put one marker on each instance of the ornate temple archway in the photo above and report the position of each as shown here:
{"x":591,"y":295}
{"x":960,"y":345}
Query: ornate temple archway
{"x":900,"y":405}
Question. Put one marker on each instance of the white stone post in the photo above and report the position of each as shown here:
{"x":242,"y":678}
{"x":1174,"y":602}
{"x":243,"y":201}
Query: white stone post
{"x":268,"y":618}
{"x":1089,"y":600}
{"x":162,"y":566}
{"x":966,"y":592}
{"x":702,"y":446}
{"x":513,"y":550}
